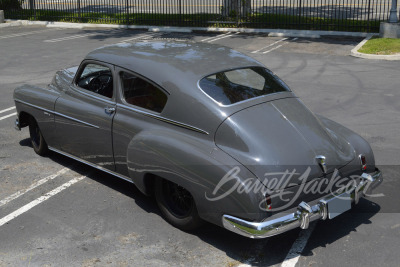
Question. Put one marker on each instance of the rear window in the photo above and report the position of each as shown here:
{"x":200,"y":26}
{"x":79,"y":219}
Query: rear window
{"x":233,"y":86}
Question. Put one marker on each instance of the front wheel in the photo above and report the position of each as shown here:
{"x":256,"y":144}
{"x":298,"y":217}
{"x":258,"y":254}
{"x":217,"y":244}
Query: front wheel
{"x":177,"y":205}
{"x":38,"y":143}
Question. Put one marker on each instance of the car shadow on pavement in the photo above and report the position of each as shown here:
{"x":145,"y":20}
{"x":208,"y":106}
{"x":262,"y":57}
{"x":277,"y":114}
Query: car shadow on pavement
{"x":256,"y":252}
{"x":329,"y":231}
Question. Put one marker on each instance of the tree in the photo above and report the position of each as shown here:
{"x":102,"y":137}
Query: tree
{"x":233,"y":8}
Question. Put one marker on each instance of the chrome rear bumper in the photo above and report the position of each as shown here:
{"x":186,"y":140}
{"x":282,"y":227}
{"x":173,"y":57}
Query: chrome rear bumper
{"x":304,"y":214}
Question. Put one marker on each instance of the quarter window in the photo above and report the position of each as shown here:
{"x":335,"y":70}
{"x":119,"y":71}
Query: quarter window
{"x":141,"y":93}
{"x":98,"y":79}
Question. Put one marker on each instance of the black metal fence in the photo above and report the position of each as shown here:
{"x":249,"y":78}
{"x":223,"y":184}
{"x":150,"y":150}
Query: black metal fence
{"x":342,"y":15}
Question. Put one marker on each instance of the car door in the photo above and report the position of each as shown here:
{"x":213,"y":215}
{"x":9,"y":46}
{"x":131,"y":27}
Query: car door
{"x":84,"y":115}
{"x":140,"y":104}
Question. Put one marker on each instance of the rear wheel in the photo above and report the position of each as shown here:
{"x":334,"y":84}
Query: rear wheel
{"x":38,"y":143}
{"x":177,"y":205}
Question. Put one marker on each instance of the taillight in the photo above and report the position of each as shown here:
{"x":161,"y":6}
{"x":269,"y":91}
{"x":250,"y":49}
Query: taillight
{"x":363,"y":162}
{"x":268,"y":202}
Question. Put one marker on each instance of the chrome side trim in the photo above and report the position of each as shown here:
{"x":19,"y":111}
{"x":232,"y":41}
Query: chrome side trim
{"x":160,"y":118}
{"x":304,"y":213}
{"x":34,"y":106}
{"x":57,"y":113}
{"x":123,"y":177}
{"x":76,"y":120}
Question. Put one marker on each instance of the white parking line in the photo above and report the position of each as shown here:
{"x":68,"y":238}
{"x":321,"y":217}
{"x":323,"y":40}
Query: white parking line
{"x":25,"y":33}
{"x":7,"y":109}
{"x":269,"y":45}
{"x":143,"y":36}
{"x":215,"y":37}
{"x":226,"y":36}
{"x":69,"y":38}
{"x":39,"y":200}
{"x":32,"y":186}
{"x":7,"y":116}
{"x":299,"y":244}
{"x":272,"y":49}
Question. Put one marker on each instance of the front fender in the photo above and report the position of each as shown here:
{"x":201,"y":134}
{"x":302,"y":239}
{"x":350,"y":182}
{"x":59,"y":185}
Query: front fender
{"x":195,"y":163}
{"x":37,"y":102}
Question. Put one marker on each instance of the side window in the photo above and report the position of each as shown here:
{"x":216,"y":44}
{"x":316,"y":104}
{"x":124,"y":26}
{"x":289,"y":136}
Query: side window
{"x":98,"y":79}
{"x":138,"y":92}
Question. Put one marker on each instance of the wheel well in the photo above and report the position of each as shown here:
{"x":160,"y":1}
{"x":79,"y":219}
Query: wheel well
{"x":149,"y":181}
{"x":24,"y":119}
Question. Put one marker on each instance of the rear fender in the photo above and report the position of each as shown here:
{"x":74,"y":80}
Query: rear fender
{"x":197,"y":165}
{"x":360,"y":145}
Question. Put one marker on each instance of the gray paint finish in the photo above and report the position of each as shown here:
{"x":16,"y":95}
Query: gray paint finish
{"x":233,"y":135}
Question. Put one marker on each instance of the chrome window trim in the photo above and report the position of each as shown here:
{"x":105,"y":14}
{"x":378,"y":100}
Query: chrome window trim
{"x":121,"y":89}
{"x":57,"y":114}
{"x":123,"y":177}
{"x":160,"y":118}
{"x":243,"y":101}
{"x":79,"y":71}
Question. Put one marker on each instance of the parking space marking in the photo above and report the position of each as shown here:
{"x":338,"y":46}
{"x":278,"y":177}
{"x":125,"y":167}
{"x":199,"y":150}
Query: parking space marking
{"x":209,"y":38}
{"x":272,"y":49}
{"x":25,"y":33}
{"x":32,"y":186}
{"x":281,"y":40}
{"x":7,"y":116}
{"x":299,"y":244}
{"x":222,"y":37}
{"x":143,"y":36}
{"x":69,"y":38}
{"x":7,"y":109}
{"x":39,"y":200}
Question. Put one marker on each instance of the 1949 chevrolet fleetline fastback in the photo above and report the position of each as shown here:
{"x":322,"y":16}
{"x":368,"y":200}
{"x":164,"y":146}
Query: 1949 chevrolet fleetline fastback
{"x":210,"y":132}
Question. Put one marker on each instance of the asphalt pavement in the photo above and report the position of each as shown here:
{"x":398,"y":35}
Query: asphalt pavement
{"x":98,"y":220}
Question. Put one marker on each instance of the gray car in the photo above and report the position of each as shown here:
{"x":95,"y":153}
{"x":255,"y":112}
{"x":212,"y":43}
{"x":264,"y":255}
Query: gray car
{"x":211,"y":133}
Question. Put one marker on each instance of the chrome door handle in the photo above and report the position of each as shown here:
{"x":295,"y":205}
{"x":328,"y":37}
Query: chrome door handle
{"x":109,"y":110}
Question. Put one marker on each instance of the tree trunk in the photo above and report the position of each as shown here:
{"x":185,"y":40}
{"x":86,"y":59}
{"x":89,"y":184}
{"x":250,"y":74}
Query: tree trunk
{"x":233,"y":8}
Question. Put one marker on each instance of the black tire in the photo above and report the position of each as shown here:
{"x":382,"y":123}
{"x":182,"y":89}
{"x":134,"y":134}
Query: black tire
{"x":38,"y":143}
{"x":177,"y":205}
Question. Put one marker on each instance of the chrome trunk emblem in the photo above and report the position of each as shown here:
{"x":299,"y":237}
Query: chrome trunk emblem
{"x":322,"y":162}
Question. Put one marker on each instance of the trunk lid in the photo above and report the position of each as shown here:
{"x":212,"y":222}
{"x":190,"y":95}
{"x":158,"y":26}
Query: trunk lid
{"x":282,"y":136}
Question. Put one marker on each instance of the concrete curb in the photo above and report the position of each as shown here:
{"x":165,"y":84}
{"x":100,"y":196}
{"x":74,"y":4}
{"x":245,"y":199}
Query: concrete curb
{"x":270,"y":32}
{"x":355,"y":53}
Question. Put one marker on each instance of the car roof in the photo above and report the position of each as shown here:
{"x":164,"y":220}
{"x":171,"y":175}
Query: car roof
{"x":177,"y":67}
{"x":166,"y":61}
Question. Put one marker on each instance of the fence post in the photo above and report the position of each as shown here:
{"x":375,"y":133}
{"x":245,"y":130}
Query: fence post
{"x":238,"y":12}
{"x":369,"y":11}
{"x":180,"y":13}
{"x":393,"y":12}
{"x":32,"y":7}
{"x":127,"y":12}
{"x":79,"y":11}
{"x":300,"y":3}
